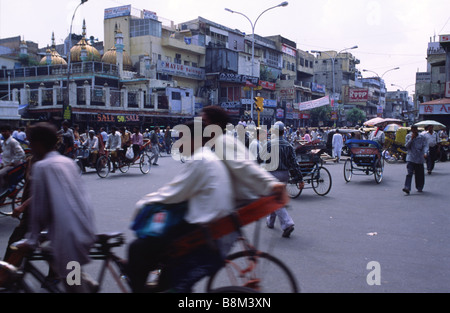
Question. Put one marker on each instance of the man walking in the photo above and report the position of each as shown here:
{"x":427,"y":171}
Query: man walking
{"x":337,"y":144}
{"x":154,"y":141}
{"x":432,"y":147}
{"x":285,"y":160}
{"x":416,"y":146}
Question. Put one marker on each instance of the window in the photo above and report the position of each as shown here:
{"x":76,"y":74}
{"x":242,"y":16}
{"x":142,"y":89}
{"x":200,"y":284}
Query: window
{"x":145,"y":27}
{"x":176,"y":95}
{"x":177,"y":59}
{"x":230,"y":94}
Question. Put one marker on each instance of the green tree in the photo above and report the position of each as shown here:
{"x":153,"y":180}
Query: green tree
{"x":356,"y":116}
{"x":321,"y":114}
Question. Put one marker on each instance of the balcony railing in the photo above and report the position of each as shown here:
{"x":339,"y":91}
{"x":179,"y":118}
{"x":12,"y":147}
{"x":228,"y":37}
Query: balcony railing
{"x":48,"y":70}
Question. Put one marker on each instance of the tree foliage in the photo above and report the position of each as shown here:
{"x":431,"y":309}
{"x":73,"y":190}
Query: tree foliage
{"x":356,"y":116}
{"x":321,"y":114}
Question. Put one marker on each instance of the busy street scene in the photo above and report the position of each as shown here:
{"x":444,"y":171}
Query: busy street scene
{"x":143,"y":155}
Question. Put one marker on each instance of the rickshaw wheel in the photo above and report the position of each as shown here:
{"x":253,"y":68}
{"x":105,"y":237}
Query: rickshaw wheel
{"x":348,"y":170}
{"x":378,"y":171}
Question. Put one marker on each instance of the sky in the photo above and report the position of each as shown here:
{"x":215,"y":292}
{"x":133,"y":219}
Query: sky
{"x":388,"y":33}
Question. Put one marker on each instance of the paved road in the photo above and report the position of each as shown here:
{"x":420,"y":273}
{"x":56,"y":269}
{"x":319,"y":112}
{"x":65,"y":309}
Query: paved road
{"x":335,"y":236}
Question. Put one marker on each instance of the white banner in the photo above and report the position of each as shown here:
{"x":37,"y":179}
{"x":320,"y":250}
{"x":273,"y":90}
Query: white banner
{"x":305,"y":106}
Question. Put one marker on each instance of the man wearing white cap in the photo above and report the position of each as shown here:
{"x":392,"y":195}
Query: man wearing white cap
{"x":279,"y":166}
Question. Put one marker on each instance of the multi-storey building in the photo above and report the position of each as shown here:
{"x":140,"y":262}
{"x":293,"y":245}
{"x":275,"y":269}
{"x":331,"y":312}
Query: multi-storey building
{"x":397,"y":105}
{"x":343,"y":85}
{"x":432,"y":99}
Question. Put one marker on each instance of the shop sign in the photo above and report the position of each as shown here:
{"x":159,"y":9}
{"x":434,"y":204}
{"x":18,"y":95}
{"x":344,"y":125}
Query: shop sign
{"x":110,"y":118}
{"x":438,"y":109}
{"x":117,"y":11}
{"x":180,"y":70}
{"x":268,"y":85}
{"x":358,"y":95}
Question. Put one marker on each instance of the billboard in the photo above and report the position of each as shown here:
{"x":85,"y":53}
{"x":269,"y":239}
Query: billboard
{"x":118,"y":11}
{"x":358,"y":95}
{"x":309,"y":105}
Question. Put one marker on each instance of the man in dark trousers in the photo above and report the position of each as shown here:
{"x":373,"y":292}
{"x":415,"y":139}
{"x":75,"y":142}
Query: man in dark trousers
{"x":416,"y":145}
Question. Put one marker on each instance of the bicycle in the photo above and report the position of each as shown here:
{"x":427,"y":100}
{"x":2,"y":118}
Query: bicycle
{"x":23,"y":279}
{"x":105,"y":163}
{"x":12,"y":196}
{"x":240,"y":272}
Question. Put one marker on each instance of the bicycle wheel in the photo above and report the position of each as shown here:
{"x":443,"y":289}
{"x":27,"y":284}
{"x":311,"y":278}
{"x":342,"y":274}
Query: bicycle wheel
{"x":124,"y":166}
{"x":255,"y":270}
{"x":145,"y":164}
{"x":103,"y":166}
{"x":348,"y":170}
{"x":12,"y":200}
{"x":321,"y":181}
{"x":233,"y":289}
{"x":293,"y":190}
{"x":378,"y":171}
{"x":17,"y":196}
{"x":5,"y":206}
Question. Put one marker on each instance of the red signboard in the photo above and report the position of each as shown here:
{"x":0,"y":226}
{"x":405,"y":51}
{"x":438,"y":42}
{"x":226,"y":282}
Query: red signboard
{"x":268,"y":85}
{"x":358,"y":95}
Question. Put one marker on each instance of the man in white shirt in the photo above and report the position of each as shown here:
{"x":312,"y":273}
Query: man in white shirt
{"x":206,"y":186}
{"x":338,"y":144}
{"x":432,"y":147}
{"x":378,"y":136}
{"x":114,"y":143}
{"x":92,"y":144}
{"x":60,"y":205}
{"x":13,"y":155}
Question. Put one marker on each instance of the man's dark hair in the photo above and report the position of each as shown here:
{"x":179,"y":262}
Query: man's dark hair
{"x":216,"y":116}
{"x":45,"y":133}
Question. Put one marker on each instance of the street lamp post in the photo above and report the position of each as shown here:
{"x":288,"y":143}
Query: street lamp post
{"x":406,"y":106}
{"x":253,"y":25}
{"x":68,"y":52}
{"x":333,"y":61}
{"x":381,"y":78}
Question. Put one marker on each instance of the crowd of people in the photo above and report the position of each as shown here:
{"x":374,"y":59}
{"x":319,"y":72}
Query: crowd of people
{"x":210,"y":186}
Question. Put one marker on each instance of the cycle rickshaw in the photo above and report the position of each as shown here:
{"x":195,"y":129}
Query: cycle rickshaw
{"x":105,"y":162}
{"x":365,"y":159}
{"x":314,"y":174}
{"x":12,"y":196}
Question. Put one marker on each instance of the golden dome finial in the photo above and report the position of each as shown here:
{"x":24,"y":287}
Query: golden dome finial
{"x":53,"y":41}
{"x":84,"y":28}
{"x":92,"y":54}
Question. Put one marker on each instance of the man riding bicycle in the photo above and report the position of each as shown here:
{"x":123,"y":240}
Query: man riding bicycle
{"x":114,"y":144}
{"x":205,"y":185}
{"x":13,"y":154}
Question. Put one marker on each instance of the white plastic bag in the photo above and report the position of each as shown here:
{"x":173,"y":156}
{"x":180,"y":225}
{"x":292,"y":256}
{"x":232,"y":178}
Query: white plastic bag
{"x":129,"y":154}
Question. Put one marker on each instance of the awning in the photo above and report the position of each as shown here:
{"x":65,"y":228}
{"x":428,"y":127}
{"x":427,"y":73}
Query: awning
{"x":443,"y":101}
